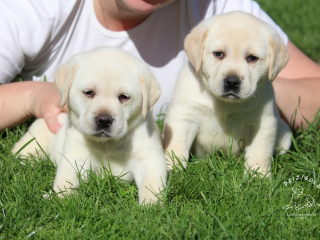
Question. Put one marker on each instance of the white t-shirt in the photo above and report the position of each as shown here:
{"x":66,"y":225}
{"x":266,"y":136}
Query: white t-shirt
{"x":38,"y":36}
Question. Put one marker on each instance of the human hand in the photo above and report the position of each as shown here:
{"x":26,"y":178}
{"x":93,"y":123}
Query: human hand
{"x":298,"y":84}
{"x":45,"y":103}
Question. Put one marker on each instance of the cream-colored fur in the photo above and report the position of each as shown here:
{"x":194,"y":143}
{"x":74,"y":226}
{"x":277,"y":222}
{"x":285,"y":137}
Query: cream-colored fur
{"x":206,"y":114}
{"x":95,"y":85}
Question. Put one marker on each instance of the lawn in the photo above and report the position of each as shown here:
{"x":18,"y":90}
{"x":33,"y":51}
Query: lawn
{"x":211,"y":199}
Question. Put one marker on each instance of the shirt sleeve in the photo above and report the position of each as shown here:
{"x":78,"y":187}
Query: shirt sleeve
{"x":224,"y":6}
{"x":27,"y":28}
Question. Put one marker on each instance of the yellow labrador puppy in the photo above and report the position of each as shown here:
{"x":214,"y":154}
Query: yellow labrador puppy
{"x":224,"y":94}
{"x":109,"y":93}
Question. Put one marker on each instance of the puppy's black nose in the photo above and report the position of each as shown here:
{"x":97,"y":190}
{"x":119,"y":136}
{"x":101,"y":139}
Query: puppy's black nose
{"x":231,"y":83}
{"x":104,"y":121}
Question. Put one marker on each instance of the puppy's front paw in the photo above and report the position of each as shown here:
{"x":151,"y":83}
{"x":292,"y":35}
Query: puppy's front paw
{"x":284,"y":138}
{"x":257,"y":172}
{"x":179,"y":163}
{"x":149,"y":198}
{"x":65,"y":184}
{"x":150,"y":192}
{"x":50,"y":195}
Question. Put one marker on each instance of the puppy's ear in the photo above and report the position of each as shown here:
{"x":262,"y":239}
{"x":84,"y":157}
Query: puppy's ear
{"x":193,"y":45}
{"x":63,"y":79}
{"x":279,"y":55}
{"x":151,"y":91}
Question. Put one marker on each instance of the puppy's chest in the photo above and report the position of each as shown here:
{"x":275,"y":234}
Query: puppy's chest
{"x":113,"y":157}
{"x":218,"y":131}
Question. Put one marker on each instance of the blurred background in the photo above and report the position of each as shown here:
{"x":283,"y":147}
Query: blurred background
{"x":300,"y":20}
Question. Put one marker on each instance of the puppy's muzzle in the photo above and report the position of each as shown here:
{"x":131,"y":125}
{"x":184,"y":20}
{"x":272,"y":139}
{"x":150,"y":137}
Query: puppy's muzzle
{"x":104,"y":121}
{"x":231,"y":84}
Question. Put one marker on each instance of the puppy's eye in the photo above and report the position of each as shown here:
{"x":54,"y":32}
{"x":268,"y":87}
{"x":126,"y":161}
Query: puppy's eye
{"x":123,"y":98}
{"x":218,"y":55}
{"x":88,"y":94}
{"x":252,"y":59}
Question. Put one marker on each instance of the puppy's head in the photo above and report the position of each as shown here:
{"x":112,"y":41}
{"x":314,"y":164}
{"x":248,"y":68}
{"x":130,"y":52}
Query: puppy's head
{"x":235,"y":53}
{"x":108,"y":92}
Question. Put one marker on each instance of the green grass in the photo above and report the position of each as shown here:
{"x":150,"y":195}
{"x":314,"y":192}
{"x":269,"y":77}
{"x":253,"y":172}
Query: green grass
{"x":211,"y":199}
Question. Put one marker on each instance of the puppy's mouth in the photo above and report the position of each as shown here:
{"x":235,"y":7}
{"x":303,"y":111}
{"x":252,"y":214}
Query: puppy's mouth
{"x":230,"y":96}
{"x":102,"y":134}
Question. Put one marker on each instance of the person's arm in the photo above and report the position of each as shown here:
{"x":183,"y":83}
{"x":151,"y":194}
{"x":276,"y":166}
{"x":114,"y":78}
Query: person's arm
{"x":301,"y":77}
{"x":20,"y":101}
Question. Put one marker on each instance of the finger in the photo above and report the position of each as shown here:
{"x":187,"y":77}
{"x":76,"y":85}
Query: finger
{"x":54,"y":127}
{"x":51,"y":120}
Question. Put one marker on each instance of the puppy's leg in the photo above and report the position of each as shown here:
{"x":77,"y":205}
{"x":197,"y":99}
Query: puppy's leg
{"x":178,"y":138}
{"x":42,"y":135}
{"x":284,"y":137}
{"x":150,"y":176}
{"x":67,"y":173}
{"x":258,"y":153}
